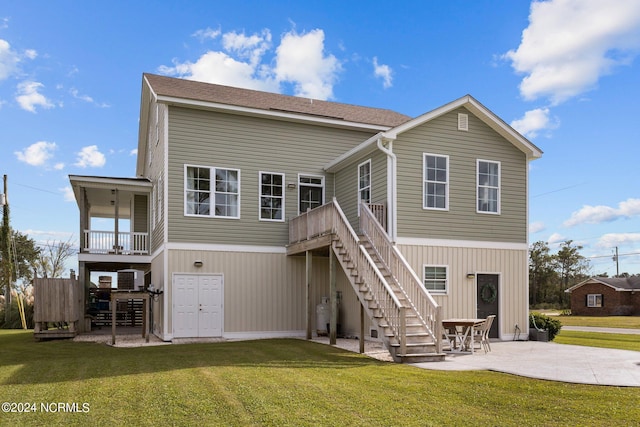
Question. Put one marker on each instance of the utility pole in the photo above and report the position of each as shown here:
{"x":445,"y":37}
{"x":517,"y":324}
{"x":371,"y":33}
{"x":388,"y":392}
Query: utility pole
{"x":6,"y":253}
{"x":615,"y":258}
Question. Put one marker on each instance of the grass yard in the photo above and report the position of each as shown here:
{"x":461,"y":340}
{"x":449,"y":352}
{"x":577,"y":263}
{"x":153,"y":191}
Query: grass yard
{"x":279,"y":383}
{"x":630,"y":322}
{"x":598,"y":339}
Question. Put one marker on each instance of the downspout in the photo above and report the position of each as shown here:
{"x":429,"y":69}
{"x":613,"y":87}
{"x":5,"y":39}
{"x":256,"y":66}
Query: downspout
{"x":392,"y":197}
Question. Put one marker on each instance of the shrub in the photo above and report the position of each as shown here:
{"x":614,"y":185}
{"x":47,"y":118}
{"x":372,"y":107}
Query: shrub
{"x":545,"y":322}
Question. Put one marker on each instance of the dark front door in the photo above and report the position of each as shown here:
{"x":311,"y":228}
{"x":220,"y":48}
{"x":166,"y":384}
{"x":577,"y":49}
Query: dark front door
{"x":488,"y":298}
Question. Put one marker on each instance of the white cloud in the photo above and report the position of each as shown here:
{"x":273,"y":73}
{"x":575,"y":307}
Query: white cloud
{"x":8,"y":60}
{"x":86,"y":98}
{"x":37,"y":153}
{"x":597,"y":214}
{"x":611,"y":240}
{"x":29,"y":97}
{"x":68,"y":194}
{"x":206,"y":34}
{"x":248,"y":61}
{"x":31,"y":53}
{"x":570,"y":44}
{"x":90,"y":156}
{"x":536,"y":227}
{"x":301,"y":60}
{"x":384,"y":72}
{"x":252,"y":47}
{"x":133,"y":152}
{"x":556,"y":239}
{"x":533,"y":122}
{"x":58,"y":166}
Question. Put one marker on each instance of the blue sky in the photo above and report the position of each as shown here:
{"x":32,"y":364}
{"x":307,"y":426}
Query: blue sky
{"x":565,"y":73}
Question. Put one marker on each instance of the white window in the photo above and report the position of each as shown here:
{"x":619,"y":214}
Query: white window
{"x":211,"y":191}
{"x":436,"y":182}
{"x":271,"y":196}
{"x":488,"y":186}
{"x":157,"y":202}
{"x":310,"y":192}
{"x":435,"y":278}
{"x":364,"y":183}
{"x":594,"y":300}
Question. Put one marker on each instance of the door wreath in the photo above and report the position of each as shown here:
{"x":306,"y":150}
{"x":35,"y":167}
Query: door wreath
{"x":488,"y":293}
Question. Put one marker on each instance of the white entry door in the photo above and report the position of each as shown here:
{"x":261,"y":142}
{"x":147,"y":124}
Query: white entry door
{"x":197,"y":306}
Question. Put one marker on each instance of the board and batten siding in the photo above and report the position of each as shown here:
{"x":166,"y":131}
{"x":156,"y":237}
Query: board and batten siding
{"x":346,"y":181}
{"x":461,"y":222}
{"x":266,"y":292}
{"x":460,"y":300}
{"x":251,"y":145}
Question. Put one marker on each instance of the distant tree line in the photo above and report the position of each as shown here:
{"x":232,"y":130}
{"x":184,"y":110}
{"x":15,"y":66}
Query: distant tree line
{"x":551,"y":274}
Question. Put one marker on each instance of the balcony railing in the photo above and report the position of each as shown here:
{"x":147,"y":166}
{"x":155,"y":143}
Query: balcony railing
{"x":104,"y":242}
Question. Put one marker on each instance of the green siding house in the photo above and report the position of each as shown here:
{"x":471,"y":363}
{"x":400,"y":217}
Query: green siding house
{"x":249,"y":209}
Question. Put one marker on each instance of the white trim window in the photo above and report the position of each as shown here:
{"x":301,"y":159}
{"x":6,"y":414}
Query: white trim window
{"x":364,"y":183}
{"x":436,"y":182}
{"x":310,"y":192}
{"x":212,"y":192}
{"x":271,"y":196}
{"x":488,"y":181}
{"x":594,"y":300}
{"x":436,"y":278}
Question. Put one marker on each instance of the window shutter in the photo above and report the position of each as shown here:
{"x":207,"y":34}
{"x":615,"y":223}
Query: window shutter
{"x":602,"y":300}
{"x":586,"y":300}
{"x":463,"y":121}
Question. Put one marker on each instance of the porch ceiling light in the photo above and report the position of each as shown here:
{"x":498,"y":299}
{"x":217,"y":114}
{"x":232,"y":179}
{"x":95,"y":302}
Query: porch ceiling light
{"x":291,"y":185}
{"x":471,"y":275}
{"x":197,"y":263}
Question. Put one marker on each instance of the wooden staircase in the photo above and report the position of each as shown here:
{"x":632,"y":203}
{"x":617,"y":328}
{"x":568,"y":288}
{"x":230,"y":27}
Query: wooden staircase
{"x":388,"y":289}
{"x":404,"y":331}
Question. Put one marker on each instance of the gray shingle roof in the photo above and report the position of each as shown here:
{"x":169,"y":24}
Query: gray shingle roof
{"x":207,"y":92}
{"x":627,"y":283}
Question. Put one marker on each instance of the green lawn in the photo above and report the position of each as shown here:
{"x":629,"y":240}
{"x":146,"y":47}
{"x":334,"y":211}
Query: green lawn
{"x":631,"y":322}
{"x":598,"y":339}
{"x":279,"y":382}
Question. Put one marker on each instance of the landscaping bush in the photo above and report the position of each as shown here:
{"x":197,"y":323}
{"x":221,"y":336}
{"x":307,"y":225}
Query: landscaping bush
{"x":545,"y":322}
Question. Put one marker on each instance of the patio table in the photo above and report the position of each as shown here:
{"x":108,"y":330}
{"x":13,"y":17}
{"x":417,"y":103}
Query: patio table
{"x":461,"y":330}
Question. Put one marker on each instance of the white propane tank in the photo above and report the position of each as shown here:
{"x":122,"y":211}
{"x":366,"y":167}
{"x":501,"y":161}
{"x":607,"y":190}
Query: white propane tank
{"x":323,"y":316}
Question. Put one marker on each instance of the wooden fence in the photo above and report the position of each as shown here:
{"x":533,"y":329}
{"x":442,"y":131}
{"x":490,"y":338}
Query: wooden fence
{"x":58,"y":302}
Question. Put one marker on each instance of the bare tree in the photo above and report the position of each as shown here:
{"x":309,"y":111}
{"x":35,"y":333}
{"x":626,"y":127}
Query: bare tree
{"x":52,"y":258}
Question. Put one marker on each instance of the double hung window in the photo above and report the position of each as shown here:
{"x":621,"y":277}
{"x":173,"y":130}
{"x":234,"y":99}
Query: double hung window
{"x":594,"y":300}
{"x":435,"y":278}
{"x":436,"y":182}
{"x":364,"y":183}
{"x":211,"y":191}
{"x":488,"y":178}
{"x":271,"y":196}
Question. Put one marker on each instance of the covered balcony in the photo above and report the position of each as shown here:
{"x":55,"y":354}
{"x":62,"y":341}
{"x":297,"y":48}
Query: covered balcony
{"x":114,"y":217}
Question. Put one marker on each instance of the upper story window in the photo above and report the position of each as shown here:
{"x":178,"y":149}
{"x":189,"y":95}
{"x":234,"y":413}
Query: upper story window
{"x":594,"y":300}
{"x":435,"y":278}
{"x":364,"y":183}
{"x":436,"y":182}
{"x":271,"y":196}
{"x":211,"y":191}
{"x":488,"y":186}
{"x":310,"y":192}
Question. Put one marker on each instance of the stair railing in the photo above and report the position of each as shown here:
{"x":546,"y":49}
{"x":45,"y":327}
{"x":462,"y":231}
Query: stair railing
{"x":387,"y":302}
{"x":427,"y":309}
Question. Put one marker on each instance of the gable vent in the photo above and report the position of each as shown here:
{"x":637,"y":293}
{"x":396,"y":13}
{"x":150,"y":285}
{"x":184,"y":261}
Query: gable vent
{"x":463,"y":121}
